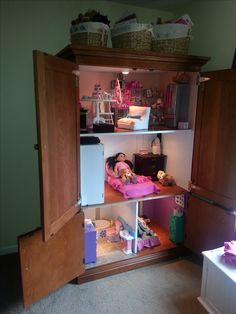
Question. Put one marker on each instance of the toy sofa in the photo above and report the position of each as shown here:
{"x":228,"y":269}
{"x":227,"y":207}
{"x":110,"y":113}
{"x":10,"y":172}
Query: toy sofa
{"x":137,"y":118}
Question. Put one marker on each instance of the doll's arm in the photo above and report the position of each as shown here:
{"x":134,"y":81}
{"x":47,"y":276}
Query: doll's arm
{"x":116,"y":171}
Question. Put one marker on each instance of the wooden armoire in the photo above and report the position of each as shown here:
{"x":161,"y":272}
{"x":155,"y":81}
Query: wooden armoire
{"x":53,"y":255}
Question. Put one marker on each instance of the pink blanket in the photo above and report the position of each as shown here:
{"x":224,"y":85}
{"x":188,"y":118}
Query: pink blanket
{"x":144,"y":186}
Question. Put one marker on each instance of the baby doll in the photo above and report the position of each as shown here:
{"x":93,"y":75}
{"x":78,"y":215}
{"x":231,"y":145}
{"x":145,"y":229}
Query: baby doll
{"x":122,"y":168}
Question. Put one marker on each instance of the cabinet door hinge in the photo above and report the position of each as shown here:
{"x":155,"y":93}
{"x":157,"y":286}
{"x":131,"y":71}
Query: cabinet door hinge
{"x":79,"y":201}
{"x":201,"y":79}
{"x":83,"y":260}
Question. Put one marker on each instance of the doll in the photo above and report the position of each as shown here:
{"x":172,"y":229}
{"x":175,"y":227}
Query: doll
{"x":122,"y":168}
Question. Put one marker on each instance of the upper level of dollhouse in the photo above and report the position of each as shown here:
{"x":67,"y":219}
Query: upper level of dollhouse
{"x":150,"y":82}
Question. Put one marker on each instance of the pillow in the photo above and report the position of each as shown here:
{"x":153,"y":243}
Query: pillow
{"x":137,"y":110}
{"x":133,"y":117}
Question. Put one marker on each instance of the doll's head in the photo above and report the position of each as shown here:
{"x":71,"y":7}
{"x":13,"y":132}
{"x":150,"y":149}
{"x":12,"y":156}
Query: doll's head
{"x":120,"y":157}
{"x":111,"y":161}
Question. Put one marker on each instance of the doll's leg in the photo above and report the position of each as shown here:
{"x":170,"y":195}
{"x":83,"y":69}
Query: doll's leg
{"x":134,"y":179}
{"x":125,"y":179}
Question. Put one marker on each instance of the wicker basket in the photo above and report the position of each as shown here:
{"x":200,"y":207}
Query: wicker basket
{"x":90,"y":34}
{"x":132,"y":36}
{"x":176,"y":45}
{"x":89,"y":39}
{"x":133,"y":40}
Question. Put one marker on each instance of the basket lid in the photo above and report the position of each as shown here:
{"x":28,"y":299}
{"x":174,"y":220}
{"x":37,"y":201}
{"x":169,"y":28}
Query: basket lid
{"x":89,"y":27}
{"x":128,"y":28}
{"x":170,"y":31}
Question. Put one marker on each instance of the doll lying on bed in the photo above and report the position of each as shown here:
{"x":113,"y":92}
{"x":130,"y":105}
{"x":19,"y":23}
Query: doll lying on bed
{"x":122,"y":178}
{"x":122,"y":168}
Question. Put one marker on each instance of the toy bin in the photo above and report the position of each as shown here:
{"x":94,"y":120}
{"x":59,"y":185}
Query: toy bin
{"x":90,"y":245}
{"x":176,"y":229}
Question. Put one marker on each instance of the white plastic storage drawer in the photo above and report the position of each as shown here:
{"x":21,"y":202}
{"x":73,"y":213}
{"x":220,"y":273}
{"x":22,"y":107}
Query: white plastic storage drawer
{"x":92,"y":174}
{"x":218,"y":291}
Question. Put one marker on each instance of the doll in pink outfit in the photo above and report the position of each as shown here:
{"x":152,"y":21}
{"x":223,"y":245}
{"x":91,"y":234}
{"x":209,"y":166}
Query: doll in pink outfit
{"x":122,"y":168}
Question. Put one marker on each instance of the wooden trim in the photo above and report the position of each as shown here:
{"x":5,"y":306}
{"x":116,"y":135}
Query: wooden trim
{"x":56,"y":226}
{"x":132,"y":263}
{"x":86,"y":55}
{"x":40,"y":94}
{"x":197,"y":136}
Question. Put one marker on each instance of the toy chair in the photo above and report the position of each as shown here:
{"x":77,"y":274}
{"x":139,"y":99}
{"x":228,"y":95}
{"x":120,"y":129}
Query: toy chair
{"x":137,"y":118}
{"x":127,"y":238}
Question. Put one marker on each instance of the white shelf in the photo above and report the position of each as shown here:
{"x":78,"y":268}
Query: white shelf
{"x":98,"y":100}
{"x":112,"y":197}
{"x":139,"y":132}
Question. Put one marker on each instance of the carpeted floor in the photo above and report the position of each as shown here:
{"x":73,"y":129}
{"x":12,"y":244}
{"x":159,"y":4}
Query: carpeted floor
{"x":168,"y":288}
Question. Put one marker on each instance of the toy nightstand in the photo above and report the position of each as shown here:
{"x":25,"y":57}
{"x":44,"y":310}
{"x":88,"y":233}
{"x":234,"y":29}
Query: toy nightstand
{"x":149,"y":164}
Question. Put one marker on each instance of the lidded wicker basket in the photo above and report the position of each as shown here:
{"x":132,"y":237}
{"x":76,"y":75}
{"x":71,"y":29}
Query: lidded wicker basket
{"x":90,"y":34}
{"x":133,"y":36}
{"x":171,"y":38}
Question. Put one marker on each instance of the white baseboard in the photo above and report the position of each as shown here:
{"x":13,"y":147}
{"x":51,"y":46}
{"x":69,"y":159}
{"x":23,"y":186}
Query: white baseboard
{"x":8,"y":249}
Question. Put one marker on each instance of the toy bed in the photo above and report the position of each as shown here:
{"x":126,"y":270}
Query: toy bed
{"x":144,"y":185}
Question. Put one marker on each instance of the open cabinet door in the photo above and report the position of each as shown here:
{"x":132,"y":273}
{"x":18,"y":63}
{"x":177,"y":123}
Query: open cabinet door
{"x":46,"y":266}
{"x":214,"y":153}
{"x":55,"y":89}
{"x":53,"y":255}
{"x":210,"y":219}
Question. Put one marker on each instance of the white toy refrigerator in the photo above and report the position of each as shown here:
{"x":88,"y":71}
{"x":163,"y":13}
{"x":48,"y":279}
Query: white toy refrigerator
{"x":92,"y":174}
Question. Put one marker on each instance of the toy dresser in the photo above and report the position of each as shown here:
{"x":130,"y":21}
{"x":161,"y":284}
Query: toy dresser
{"x":218,"y":291}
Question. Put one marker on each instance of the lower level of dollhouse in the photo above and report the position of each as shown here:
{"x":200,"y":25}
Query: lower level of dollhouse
{"x":126,"y":231}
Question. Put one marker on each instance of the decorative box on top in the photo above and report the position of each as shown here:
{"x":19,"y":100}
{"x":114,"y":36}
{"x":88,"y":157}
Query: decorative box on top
{"x":90,"y":29}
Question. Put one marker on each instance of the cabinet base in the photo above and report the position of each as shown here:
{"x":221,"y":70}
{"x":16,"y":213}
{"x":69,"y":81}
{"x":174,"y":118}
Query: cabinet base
{"x":131,"y":263}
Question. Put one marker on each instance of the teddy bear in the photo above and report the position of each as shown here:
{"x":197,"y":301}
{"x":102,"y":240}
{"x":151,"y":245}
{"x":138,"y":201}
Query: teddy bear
{"x":127,"y":176}
{"x":165,"y":179}
{"x":91,"y":16}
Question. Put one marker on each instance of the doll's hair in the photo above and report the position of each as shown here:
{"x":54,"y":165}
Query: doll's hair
{"x":112,"y":160}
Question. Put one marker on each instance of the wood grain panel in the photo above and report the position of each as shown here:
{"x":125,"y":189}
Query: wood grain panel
{"x":132,"y":263}
{"x":45,"y":266}
{"x":214,"y":158}
{"x":132,"y":58}
{"x":58,"y":140}
{"x":207,"y":226}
